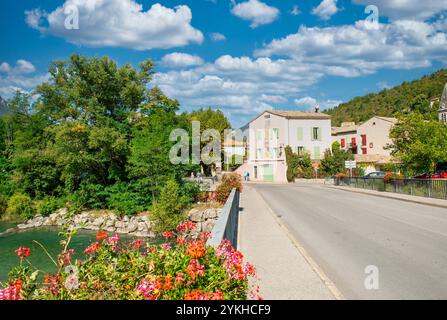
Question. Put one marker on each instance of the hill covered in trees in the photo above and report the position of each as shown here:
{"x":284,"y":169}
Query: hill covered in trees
{"x":404,"y":98}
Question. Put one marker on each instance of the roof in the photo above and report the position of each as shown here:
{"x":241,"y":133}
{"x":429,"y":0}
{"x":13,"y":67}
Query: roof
{"x":392,"y":120}
{"x":291,"y":114}
{"x":338,"y":130}
{"x":374,"y":158}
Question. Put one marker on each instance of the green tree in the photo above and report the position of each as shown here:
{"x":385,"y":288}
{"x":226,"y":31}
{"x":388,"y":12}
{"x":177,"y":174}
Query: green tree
{"x":210,"y":119}
{"x":168,"y":210}
{"x":334,"y":160}
{"x":418,"y":143}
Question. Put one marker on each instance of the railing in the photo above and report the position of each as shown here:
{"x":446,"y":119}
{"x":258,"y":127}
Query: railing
{"x":430,"y":188}
{"x":227,"y":225}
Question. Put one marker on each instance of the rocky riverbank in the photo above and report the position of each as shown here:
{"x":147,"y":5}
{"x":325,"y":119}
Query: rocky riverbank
{"x":138,"y":226}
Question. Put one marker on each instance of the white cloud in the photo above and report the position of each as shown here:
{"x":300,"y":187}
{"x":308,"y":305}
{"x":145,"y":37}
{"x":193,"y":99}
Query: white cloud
{"x":19,"y":78}
{"x":216,"y":36}
{"x":120,"y":23}
{"x":407,"y":9}
{"x":255,"y":11}
{"x":295,"y":11}
{"x":309,"y":103}
{"x":326,"y":9}
{"x":180,"y":60}
{"x":354,"y":50}
{"x":273,"y":98}
{"x":306,"y":102}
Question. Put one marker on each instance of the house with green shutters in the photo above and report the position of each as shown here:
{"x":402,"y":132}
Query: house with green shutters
{"x":270,"y":132}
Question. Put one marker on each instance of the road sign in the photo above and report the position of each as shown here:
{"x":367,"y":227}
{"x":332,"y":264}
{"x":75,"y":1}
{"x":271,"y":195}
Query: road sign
{"x":350,"y":164}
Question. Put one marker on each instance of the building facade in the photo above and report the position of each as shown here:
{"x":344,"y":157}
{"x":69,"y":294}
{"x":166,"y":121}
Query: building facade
{"x":367,"y":142}
{"x":443,"y":106}
{"x":273,"y":130}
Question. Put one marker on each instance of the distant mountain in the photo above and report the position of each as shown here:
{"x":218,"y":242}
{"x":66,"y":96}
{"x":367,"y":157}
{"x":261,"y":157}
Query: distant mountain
{"x":388,"y":102}
{"x":2,"y":106}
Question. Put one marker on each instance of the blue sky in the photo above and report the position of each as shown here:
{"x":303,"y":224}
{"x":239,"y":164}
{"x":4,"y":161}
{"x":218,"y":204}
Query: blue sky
{"x":241,"y":56}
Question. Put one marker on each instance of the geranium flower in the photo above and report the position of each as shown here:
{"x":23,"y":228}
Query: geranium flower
{"x":186,"y":226}
{"x":168,"y":235}
{"x":101,"y":235}
{"x":196,"y":250}
{"x":23,"y":252}
{"x":93,"y":248}
{"x":136,"y":244}
{"x":166,"y":246}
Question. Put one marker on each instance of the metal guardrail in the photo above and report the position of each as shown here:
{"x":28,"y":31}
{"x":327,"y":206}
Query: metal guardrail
{"x":430,"y":188}
{"x":226,"y":226}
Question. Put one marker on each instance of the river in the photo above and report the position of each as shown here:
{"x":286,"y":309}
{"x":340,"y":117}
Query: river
{"x":48,"y":237}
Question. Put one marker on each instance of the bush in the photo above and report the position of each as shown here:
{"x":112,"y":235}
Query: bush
{"x":190,"y":190}
{"x":3,"y":205}
{"x":390,"y":176}
{"x":168,"y":211}
{"x":179,"y":269}
{"x":20,"y":206}
{"x":90,"y":196}
{"x":228,"y":183}
{"x":48,"y":205}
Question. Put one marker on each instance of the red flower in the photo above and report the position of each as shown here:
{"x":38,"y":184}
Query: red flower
{"x":186,"y":226}
{"x":136,"y":244}
{"x":92,"y":248}
{"x":196,"y":250}
{"x":168,"y":234}
{"x":23,"y":252}
{"x":101,"y":235}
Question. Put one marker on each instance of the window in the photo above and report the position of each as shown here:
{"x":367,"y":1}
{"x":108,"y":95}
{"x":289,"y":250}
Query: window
{"x":316,"y":134}
{"x":299,"y":134}
{"x":364,"y":150}
{"x":317,"y":154}
{"x":259,"y":135}
{"x":275,"y":133}
{"x":259,"y":153}
{"x":275,"y":153}
{"x":363,"y":139}
{"x":300,"y":151}
{"x":343,"y":142}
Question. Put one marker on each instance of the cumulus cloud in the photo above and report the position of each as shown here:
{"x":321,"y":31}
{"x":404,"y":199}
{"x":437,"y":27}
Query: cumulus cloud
{"x":309,"y":103}
{"x":19,"y":77}
{"x":354,"y":50}
{"x":408,"y":9}
{"x":216,"y":37}
{"x":255,"y":11}
{"x":326,"y":9}
{"x":181,"y":60}
{"x":306,"y":102}
{"x":119,"y":23}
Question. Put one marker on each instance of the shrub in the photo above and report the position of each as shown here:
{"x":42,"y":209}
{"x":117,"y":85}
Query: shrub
{"x":124,"y":200}
{"x":228,"y":183}
{"x":48,"y":205}
{"x":168,"y":210}
{"x":112,"y":270}
{"x":3,"y":205}
{"x":190,"y":190}
{"x":390,"y":176}
{"x":20,"y":206}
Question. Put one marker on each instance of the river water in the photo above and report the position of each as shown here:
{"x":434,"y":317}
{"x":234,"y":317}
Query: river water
{"x":48,"y":237}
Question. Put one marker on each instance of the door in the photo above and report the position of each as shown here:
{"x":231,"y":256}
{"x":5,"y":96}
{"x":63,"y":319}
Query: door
{"x":268,"y":173}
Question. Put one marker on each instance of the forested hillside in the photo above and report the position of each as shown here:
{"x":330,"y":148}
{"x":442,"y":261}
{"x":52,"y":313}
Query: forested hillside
{"x":405,"y":98}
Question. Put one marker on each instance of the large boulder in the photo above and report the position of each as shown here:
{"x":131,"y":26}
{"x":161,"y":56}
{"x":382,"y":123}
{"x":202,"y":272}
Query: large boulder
{"x":195,"y":215}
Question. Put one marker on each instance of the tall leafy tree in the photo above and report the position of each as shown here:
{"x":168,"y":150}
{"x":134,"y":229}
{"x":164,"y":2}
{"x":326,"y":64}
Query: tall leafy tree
{"x":419,"y":144}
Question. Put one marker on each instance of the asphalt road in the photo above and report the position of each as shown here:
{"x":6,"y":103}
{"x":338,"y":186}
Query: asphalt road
{"x":346,"y":232}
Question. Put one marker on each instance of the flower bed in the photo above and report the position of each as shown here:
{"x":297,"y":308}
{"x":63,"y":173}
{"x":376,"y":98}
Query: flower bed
{"x":181,"y":268}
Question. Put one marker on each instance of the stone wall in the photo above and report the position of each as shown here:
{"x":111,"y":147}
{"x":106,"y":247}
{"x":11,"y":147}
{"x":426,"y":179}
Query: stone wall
{"x":138,"y":226}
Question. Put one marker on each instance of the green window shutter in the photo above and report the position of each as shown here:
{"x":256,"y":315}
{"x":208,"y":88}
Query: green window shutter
{"x":299,"y":134}
{"x":317,"y":153}
{"x":312,"y":136}
{"x":320,"y":135}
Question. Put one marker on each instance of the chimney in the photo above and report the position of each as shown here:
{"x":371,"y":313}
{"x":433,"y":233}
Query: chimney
{"x":317,"y":108}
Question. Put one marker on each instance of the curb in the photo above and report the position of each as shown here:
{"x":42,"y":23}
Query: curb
{"x":314,"y":266}
{"x":389,"y":195}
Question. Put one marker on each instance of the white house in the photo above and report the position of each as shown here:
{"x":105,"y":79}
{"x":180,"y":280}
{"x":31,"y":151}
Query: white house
{"x":367,"y":142}
{"x":273,"y":130}
{"x":443,"y":106}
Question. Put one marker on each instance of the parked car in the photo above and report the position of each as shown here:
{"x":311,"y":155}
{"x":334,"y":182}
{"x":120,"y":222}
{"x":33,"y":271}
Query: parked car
{"x":439,"y":174}
{"x":376,"y":174}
